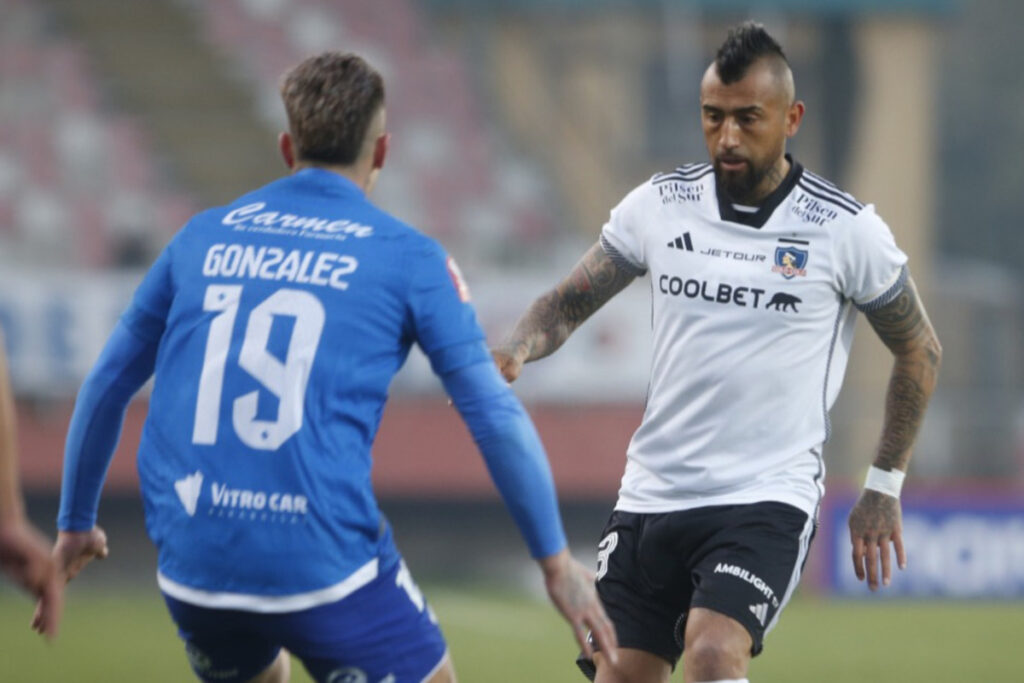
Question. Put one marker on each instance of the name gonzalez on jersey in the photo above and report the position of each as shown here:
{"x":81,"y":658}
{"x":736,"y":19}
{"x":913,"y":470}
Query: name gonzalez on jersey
{"x":322,"y":268}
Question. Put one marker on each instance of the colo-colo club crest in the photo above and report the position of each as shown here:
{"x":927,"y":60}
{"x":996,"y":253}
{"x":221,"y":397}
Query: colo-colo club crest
{"x":790,"y":261}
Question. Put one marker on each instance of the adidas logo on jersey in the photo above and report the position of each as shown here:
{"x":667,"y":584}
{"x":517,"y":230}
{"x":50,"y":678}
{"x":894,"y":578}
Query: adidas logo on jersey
{"x":682,"y":242}
{"x":188,"y":490}
{"x":760,"y":611}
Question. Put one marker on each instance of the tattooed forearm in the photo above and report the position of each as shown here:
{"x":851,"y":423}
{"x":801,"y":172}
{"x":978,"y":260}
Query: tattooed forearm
{"x":903,"y":326}
{"x":905,"y":404}
{"x":553,"y":317}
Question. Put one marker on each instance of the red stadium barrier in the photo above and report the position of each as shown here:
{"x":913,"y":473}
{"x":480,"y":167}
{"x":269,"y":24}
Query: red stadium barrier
{"x":422,"y":450}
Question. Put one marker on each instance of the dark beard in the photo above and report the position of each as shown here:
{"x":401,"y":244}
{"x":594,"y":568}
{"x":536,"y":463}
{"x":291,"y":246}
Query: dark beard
{"x":741,"y":188}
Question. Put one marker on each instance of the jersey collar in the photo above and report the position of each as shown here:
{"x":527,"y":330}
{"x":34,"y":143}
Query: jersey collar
{"x":329,"y":181}
{"x":768,"y":206}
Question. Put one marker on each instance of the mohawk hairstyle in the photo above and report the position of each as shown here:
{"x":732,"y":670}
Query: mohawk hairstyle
{"x":745,"y":44}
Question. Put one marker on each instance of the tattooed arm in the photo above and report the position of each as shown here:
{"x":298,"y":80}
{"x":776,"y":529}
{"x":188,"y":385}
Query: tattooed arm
{"x":875,"y":520}
{"x":554,"y":316}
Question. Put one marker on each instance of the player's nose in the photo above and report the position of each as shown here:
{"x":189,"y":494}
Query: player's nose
{"x":730,"y":136}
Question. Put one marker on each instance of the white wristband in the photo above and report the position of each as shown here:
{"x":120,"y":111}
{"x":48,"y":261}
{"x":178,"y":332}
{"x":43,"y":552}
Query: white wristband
{"x":888,"y":483}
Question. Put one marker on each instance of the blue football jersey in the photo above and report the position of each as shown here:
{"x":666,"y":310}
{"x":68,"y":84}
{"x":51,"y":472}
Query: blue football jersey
{"x":281,"y":321}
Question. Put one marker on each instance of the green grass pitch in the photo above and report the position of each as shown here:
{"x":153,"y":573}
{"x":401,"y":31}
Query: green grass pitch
{"x":501,"y":637}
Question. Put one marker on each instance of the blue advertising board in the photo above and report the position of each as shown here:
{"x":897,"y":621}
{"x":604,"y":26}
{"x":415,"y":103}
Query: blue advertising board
{"x":959,"y":545}
{"x":55,"y":322}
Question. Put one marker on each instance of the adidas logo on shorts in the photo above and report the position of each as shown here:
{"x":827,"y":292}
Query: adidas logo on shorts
{"x":760,"y":611}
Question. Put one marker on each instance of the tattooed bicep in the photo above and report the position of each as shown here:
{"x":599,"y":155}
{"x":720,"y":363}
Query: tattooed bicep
{"x":602,"y":272}
{"x":594,"y":280}
{"x":903,"y":324}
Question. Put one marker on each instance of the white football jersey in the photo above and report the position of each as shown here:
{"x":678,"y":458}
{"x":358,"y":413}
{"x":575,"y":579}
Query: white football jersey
{"x":753,"y":316}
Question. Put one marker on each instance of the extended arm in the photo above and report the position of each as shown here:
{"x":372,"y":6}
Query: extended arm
{"x":444,"y":324}
{"x":123,"y":367}
{"x":515,"y":458}
{"x":554,"y":316}
{"x":24,"y":553}
{"x":903,"y":326}
{"x":11,"y":505}
{"x":513,"y":452}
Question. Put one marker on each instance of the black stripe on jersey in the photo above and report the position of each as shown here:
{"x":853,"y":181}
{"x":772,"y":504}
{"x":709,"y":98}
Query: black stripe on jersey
{"x":685,"y":169}
{"x":888,"y":295}
{"x":689,"y":168}
{"x":784,"y":240}
{"x":831,"y":188}
{"x":828,"y":183}
{"x":837,"y":196}
{"x":687,"y":177}
{"x":828,"y":370}
{"x":681,"y":179}
{"x":621,"y":261}
{"x":825,"y":198}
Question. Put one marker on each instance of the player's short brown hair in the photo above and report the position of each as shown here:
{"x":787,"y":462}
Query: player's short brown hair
{"x":330,"y":100}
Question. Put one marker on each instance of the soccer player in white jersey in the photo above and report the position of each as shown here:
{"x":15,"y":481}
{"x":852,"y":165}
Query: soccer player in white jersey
{"x":757,"y":268}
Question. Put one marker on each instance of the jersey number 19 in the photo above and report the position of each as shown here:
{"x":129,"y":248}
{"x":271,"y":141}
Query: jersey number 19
{"x":287,"y":380}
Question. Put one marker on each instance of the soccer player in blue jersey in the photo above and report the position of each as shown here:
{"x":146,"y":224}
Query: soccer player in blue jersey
{"x":274,"y":326}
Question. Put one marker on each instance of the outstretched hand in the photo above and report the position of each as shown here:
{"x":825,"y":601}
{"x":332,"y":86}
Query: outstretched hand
{"x":875,"y":521}
{"x":73,"y":550}
{"x":25,"y":558}
{"x":571,"y":588}
{"x":508,"y":365}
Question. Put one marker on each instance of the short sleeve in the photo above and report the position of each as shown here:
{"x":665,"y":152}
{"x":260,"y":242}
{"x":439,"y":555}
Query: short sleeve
{"x":443,"y":320}
{"x":146,"y":316}
{"x":872,"y":270}
{"x":622,"y":236}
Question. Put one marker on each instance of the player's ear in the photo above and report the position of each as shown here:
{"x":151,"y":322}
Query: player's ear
{"x":380,"y":150}
{"x":287,"y":147}
{"x":793,"y":118}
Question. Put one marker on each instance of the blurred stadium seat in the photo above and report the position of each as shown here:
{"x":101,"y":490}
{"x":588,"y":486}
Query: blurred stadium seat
{"x":444,"y":175}
{"x":71,"y":167}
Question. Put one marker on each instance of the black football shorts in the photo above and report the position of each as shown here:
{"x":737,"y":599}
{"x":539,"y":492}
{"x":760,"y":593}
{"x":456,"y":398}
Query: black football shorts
{"x":742,"y":561}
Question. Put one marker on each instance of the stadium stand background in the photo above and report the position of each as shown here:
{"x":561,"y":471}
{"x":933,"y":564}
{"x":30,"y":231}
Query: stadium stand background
{"x":517,"y":125}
